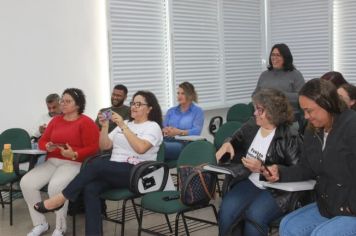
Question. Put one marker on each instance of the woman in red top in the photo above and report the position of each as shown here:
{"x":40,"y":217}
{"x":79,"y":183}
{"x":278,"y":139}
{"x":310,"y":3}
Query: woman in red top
{"x":69,"y":139}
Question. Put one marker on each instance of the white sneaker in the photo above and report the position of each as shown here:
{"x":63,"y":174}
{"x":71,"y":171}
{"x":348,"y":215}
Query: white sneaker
{"x":57,"y":232}
{"x":39,"y":229}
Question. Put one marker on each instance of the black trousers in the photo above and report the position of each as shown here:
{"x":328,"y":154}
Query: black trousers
{"x":94,"y":179}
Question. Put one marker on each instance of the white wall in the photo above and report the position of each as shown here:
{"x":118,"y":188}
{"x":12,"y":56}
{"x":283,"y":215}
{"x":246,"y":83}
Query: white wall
{"x":45,"y":47}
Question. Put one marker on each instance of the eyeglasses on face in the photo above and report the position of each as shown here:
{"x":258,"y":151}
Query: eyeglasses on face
{"x":276,"y":55}
{"x":137,"y":104}
{"x":259,"y":110}
{"x":65,"y":101}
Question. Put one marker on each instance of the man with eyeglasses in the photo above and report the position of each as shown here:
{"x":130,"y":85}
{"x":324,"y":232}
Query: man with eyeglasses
{"x":118,"y":97}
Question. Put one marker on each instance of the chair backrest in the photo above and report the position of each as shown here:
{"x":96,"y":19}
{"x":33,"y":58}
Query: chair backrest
{"x":160,"y":153}
{"x":239,"y":112}
{"x":225,"y":131}
{"x":196,"y":153}
{"x":18,"y":138}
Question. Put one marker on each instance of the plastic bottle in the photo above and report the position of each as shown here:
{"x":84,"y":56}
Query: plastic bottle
{"x":8,"y":159}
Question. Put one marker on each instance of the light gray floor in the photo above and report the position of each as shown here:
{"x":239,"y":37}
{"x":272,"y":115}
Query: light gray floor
{"x":22,"y":223}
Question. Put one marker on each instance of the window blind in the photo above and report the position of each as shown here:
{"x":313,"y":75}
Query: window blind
{"x":138,"y":43}
{"x":305,"y":27}
{"x":344,"y":38}
{"x":196,"y":49}
{"x":243,"y":42}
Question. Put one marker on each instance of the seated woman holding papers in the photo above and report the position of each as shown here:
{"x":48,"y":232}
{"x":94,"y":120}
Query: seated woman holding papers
{"x":266,"y":139}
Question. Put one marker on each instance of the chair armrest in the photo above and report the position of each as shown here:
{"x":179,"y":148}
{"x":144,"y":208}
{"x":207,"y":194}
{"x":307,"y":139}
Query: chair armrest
{"x":214,"y":124}
{"x":292,"y":186}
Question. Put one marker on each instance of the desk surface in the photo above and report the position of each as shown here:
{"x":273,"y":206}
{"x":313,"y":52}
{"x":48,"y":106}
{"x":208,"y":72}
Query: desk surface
{"x":29,"y":151}
{"x":292,"y":186}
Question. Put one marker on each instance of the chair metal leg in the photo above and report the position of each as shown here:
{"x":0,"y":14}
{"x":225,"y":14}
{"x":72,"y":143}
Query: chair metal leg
{"x":185,"y":225}
{"x":215,"y":212}
{"x":168,"y":223}
{"x":135,"y":209}
{"x":123,"y":211}
{"x":140,"y":222}
{"x":2,"y":200}
{"x":176,"y":225}
{"x":73,"y":224}
{"x":10,"y":197}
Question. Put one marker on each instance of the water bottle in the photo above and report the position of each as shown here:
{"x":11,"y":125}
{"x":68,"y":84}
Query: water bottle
{"x":8,"y":159}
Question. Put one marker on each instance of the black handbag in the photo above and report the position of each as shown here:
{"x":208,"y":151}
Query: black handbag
{"x":198,"y":185}
{"x":148,"y":176}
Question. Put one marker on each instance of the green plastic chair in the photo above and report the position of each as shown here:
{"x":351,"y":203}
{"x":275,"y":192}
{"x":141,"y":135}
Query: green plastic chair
{"x":225,"y":131}
{"x":125,"y":195}
{"x":19,"y":139}
{"x":239,"y":112}
{"x":194,"y":154}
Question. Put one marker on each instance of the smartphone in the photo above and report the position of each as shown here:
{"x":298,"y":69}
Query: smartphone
{"x":56,"y":145}
{"x":107,"y":114}
{"x":225,"y":159}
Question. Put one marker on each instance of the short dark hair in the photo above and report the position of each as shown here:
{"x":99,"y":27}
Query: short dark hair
{"x":351,"y":91}
{"x":323,"y":93}
{"x":334,"y":77}
{"x":156,"y":112}
{"x":121,"y":87}
{"x":189,"y":91}
{"x":286,"y":54}
{"x":78,"y":97}
{"x":53,"y":97}
{"x":279,"y":111}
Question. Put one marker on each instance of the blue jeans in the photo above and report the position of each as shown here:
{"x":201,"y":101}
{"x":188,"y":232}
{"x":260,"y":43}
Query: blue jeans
{"x":94,"y":179}
{"x":308,"y":221}
{"x":253,"y":204}
{"x":172,"y":148}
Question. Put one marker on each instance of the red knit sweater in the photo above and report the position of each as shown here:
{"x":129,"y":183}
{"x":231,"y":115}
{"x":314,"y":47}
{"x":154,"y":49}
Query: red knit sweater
{"x":81,"y":134}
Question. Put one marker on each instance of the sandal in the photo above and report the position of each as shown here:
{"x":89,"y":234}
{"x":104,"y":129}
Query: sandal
{"x":40,"y":207}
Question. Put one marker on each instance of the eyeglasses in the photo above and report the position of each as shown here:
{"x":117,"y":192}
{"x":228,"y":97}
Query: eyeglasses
{"x":276,"y":55}
{"x":137,"y":104}
{"x":259,"y":110}
{"x":65,"y":101}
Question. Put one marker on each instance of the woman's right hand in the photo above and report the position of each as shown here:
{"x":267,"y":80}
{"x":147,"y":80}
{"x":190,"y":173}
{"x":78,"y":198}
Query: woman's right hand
{"x":273,"y":169}
{"x":225,"y":148}
{"x":50,"y":147}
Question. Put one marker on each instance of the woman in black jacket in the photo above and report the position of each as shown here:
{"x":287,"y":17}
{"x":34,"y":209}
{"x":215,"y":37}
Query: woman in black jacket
{"x":267,"y":139}
{"x":329,"y":156}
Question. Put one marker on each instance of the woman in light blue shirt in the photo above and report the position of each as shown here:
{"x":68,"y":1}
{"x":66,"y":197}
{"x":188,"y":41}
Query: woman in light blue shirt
{"x":185,"y":119}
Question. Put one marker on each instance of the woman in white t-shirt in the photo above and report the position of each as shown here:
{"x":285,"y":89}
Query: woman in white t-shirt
{"x":268,"y":139}
{"x":132,"y":141}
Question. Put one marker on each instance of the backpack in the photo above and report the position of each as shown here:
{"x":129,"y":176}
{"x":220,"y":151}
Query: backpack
{"x":197,"y":185}
{"x":148,"y":176}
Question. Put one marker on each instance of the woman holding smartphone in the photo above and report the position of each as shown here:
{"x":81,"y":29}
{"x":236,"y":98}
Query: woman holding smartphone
{"x":266,"y":139}
{"x":68,"y":139}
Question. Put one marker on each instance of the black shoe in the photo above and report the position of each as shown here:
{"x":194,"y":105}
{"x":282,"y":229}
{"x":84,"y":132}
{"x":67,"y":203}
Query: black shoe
{"x":40,"y":207}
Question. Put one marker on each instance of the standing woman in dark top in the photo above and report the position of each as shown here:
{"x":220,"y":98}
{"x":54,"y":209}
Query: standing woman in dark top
{"x":281,"y":74}
{"x":329,"y":157}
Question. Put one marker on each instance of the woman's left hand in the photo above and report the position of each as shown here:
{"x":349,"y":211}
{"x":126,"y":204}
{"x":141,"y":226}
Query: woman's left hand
{"x":252,"y":164}
{"x":67,"y":151}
